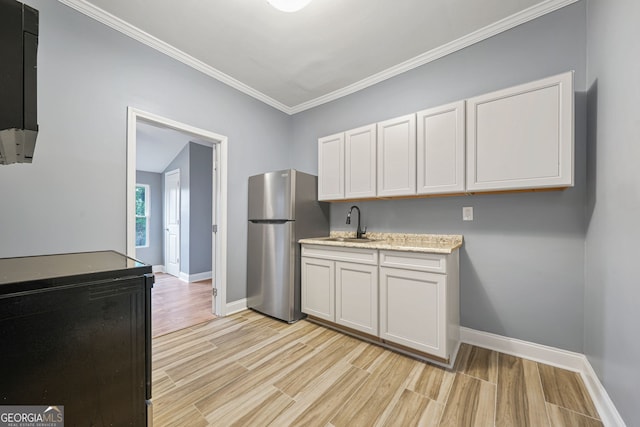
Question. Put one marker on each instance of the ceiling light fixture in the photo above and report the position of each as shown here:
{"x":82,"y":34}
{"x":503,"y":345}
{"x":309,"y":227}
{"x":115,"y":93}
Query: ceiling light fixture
{"x":289,"y":5}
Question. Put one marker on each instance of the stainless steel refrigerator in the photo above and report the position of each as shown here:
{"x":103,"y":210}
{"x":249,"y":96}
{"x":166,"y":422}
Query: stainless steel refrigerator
{"x":283,"y":208}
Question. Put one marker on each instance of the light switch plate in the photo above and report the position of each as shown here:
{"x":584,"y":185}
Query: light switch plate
{"x":467,"y":213}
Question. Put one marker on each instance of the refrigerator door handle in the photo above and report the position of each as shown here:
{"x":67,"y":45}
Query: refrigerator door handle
{"x":269,"y":221}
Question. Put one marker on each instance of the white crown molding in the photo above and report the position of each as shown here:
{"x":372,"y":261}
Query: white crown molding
{"x":505,"y":24}
{"x":136,"y":33}
{"x":564,"y":359}
{"x":437,"y":53}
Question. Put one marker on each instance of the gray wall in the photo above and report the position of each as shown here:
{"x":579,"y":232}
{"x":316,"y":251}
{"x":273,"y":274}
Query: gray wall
{"x":612,"y":295}
{"x":200,"y":159}
{"x":522,"y":263}
{"x":153,"y":255}
{"x":73,"y":197}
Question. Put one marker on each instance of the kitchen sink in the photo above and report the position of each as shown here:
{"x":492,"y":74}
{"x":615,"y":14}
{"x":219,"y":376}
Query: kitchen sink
{"x":350,"y":239}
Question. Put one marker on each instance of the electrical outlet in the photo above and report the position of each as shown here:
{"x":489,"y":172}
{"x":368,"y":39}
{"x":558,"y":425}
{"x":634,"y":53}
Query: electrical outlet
{"x":467,"y":213}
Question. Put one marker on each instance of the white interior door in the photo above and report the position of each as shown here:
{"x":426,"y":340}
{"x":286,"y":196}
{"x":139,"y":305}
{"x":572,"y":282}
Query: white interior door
{"x":172,"y":222}
{"x":214,"y":229}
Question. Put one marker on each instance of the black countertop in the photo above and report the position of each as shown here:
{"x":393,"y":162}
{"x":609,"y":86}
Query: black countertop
{"x":33,"y":272}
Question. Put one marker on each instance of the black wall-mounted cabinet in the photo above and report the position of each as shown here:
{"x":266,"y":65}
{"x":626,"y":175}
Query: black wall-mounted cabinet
{"x":18,"y":81}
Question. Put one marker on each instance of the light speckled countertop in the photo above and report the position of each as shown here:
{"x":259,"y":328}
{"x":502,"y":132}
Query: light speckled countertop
{"x":428,"y":243}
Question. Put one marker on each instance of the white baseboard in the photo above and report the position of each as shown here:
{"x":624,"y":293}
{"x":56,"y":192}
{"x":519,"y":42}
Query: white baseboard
{"x":200,"y":276}
{"x":195,"y":277}
{"x":527,"y":350}
{"x":157,"y":268}
{"x":236,"y":306}
{"x":607,"y":410}
{"x":564,"y":359}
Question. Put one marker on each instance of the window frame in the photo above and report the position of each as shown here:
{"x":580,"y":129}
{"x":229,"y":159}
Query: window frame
{"x":147,"y":212}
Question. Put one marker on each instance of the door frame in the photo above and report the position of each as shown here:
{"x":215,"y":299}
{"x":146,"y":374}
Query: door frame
{"x":219,"y":180}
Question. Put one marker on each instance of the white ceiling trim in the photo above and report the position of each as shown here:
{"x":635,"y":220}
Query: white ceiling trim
{"x":134,"y":32}
{"x":444,"y":50}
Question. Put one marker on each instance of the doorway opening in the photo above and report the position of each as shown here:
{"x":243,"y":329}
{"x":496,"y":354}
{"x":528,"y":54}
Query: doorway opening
{"x":214,"y":227}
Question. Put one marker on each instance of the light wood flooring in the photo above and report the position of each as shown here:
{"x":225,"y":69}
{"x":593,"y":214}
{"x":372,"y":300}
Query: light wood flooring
{"x":251,"y":370}
{"x":177,"y":305}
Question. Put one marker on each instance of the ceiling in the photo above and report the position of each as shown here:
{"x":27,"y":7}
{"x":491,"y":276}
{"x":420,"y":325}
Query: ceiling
{"x":295,"y":61}
{"x":157,"y":146}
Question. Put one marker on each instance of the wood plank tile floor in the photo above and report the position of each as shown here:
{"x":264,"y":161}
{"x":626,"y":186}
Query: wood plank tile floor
{"x":250,"y":370}
{"x":178,"y":305}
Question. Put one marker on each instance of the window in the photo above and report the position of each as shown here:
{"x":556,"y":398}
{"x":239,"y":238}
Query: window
{"x":142,"y":215}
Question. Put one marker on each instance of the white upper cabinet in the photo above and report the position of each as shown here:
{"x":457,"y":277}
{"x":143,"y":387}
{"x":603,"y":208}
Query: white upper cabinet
{"x":440,"y":149}
{"x":331,"y":167}
{"x":360,"y":162}
{"x":522,"y":137}
{"x":397,"y":156}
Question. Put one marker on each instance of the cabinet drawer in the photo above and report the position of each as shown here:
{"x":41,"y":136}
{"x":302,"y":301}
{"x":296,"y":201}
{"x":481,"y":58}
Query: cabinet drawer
{"x":436,"y":263}
{"x":362,"y":256}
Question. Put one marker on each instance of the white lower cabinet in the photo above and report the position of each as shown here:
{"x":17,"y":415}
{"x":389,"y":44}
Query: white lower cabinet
{"x":411,"y":311}
{"x":318,"y":289}
{"x":420,"y":302}
{"x":357,"y":296}
{"x":340,"y":285}
{"x":407,"y":301}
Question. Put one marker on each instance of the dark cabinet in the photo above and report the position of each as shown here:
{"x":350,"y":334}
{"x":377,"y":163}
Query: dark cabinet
{"x":18,"y":81}
{"x":75,"y":331}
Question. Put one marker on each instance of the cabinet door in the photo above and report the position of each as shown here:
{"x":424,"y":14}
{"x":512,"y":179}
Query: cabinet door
{"x":357,"y":296}
{"x":440,"y":149}
{"x":397,"y":156}
{"x":413,"y":310}
{"x":83,"y":346}
{"x":360,"y":162}
{"x":318,"y":288}
{"x":522,"y":137}
{"x":331,"y":167}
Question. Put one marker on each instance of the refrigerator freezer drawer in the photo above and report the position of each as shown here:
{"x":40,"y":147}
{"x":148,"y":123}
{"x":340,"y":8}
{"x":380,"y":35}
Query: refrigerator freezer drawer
{"x":271,"y":285}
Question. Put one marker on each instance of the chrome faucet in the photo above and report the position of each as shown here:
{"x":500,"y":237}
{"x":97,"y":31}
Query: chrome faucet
{"x":359,"y":231}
